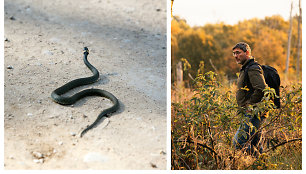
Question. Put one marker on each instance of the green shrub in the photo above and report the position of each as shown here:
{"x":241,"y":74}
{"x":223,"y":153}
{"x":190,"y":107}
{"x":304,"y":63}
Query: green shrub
{"x":202,"y":128}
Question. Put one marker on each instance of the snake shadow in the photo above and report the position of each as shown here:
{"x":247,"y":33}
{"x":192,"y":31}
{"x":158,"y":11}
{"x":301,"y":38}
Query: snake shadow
{"x":103,"y":80}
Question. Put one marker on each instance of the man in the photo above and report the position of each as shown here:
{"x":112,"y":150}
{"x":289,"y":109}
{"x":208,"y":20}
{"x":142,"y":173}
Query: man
{"x":248,"y":95}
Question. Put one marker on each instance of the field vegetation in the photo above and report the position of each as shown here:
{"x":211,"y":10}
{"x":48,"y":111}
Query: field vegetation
{"x":204,"y":112}
{"x":205,"y":120}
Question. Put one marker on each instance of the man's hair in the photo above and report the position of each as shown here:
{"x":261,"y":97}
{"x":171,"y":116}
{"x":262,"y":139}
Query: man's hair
{"x":243,"y":46}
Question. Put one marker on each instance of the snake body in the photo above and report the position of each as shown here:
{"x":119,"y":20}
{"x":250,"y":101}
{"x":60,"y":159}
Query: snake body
{"x":57,"y":97}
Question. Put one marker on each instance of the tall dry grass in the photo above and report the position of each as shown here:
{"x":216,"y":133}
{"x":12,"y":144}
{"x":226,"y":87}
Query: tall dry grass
{"x":205,"y":119}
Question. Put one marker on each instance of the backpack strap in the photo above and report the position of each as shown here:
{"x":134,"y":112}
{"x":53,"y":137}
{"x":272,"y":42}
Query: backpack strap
{"x":246,"y":81}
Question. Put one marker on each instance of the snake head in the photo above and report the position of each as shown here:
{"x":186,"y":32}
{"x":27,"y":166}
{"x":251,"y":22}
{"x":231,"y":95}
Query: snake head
{"x":86,"y":50}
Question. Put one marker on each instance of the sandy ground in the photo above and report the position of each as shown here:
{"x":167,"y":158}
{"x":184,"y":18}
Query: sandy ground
{"x":43,"y":47}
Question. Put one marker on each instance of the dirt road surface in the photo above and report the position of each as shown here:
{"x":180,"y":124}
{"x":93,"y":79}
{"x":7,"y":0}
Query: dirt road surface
{"x":43,"y":47}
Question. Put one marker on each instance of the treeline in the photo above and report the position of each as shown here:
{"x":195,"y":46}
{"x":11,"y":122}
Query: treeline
{"x":210,"y":46}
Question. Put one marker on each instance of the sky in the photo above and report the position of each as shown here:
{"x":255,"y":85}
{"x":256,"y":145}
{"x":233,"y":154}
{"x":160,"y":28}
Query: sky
{"x":201,"y":12}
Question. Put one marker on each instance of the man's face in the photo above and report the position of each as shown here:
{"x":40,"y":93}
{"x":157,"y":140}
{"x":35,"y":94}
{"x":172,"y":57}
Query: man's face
{"x":240,"y":55}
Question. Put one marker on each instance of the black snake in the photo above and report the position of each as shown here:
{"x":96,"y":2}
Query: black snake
{"x":58,"y":98}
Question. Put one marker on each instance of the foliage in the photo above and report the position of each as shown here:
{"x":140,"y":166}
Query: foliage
{"x":203,"y":127}
{"x":213,"y":43}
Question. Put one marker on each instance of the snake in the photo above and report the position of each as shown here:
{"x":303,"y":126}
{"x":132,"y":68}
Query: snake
{"x":57,"y":94}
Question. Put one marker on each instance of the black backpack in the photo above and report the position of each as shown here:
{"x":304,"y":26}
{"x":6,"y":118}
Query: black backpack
{"x":271,"y":77}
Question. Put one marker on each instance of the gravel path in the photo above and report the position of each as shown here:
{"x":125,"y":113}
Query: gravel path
{"x":43,"y":50}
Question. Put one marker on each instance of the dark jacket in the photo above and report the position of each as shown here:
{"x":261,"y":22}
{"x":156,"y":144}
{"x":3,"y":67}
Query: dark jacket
{"x":257,"y":81}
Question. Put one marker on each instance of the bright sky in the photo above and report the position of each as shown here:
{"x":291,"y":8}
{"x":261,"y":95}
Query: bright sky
{"x":201,"y":12}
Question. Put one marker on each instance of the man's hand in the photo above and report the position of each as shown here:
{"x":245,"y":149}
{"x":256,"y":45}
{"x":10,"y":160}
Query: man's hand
{"x":248,"y":109}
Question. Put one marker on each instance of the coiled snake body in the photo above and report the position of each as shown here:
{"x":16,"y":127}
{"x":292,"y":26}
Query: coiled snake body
{"x":56,"y":95}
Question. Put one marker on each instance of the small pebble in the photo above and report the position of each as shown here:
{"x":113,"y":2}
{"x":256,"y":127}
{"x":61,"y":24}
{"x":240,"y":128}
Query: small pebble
{"x":9,"y":67}
{"x":12,"y":18}
{"x":72,"y":133}
{"x":38,"y":155}
{"x":30,"y":114}
{"x":38,"y":160}
{"x":60,"y":143}
{"x":153,"y":165}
